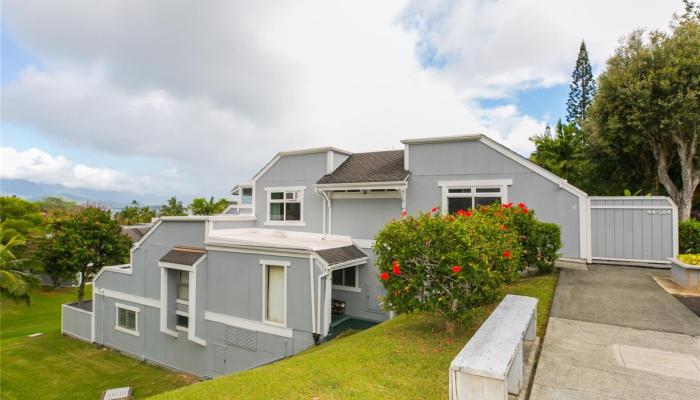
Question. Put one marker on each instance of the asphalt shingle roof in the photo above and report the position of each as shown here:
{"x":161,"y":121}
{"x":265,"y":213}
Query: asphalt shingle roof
{"x":378,"y":166}
{"x":341,"y":254}
{"x":183,"y":255}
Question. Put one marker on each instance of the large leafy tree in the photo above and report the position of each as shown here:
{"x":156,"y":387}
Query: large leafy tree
{"x":649,"y":104}
{"x":21,"y":218}
{"x":564,"y":153}
{"x":172,"y":208}
{"x":581,"y":90}
{"x":135,"y":214}
{"x":202,"y":206}
{"x":83,"y":243}
{"x":56,"y":205}
{"x":15,"y":283}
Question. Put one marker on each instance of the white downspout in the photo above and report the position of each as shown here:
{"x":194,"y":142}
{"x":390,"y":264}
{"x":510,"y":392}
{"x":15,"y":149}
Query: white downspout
{"x":323,"y":197}
{"x":311,"y":291}
{"x":330,"y":211}
{"x":318,"y":297}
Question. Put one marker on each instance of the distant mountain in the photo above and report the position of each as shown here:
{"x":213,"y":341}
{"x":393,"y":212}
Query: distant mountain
{"x":112,"y":199}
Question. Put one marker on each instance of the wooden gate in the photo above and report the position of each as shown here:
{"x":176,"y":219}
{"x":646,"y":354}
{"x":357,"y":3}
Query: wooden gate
{"x":635,"y":228}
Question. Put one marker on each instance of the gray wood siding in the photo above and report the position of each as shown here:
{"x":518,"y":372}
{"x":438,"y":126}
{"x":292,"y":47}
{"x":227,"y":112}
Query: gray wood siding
{"x":472,"y":160}
{"x":295,"y":170}
{"x":645,"y":231}
{"x":363,"y":218}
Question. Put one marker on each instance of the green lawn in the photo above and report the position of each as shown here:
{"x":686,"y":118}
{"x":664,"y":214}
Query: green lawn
{"x":52,"y":366}
{"x":405,"y":358}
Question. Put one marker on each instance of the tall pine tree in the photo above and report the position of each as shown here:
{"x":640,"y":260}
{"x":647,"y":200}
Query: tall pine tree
{"x":581,"y":90}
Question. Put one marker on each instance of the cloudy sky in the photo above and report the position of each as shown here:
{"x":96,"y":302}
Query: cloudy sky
{"x":179,"y":97}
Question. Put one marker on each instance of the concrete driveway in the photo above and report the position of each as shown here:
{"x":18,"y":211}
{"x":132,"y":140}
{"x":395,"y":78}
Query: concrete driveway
{"x":615,"y":334}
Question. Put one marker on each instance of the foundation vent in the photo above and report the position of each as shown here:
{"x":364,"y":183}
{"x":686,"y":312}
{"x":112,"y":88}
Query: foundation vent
{"x":243,"y":338}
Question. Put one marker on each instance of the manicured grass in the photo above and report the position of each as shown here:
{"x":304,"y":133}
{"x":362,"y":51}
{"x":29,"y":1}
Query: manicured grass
{"x":52,"y":366}
{"x":405,"y":358}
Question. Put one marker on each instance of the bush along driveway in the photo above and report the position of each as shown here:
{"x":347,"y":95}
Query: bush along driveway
{"x":51,"y":366}
{"x":404,"y":358}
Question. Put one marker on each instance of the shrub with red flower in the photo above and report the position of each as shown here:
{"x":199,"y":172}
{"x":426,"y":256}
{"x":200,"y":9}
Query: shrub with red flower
{"x":445,"y":265}
{"x":396,"y":269}
{"x":540,"y":241}
{"x":506,"y":253}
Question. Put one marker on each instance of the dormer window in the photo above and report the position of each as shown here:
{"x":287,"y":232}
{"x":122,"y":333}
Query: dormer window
{"x":285,"y":206}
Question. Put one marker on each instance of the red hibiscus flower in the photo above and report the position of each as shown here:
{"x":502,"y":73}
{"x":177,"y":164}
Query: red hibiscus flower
{"x":433,"y":210}
{"x":508,"y":205}
{"x":460,"y":212}
{"x":504,"y":228}
{"x":384,"y":276}
{"x":506,"y":253}
{"x":404,"y":213}
{"x":525,"y":210}
{"x":456,"y":269}
{"x":522,"y":205}
{"x":395,"y":267}
{"x":467,"y":213}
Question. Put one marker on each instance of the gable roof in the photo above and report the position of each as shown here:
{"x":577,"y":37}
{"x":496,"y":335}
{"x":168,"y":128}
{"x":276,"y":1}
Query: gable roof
{"x":525,"y":162}
{"x":378,"y":166}
{"x":183,"y":255}
{"x":341,"y":255}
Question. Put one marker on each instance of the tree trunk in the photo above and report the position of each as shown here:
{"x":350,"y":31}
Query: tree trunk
{"x":686,"y":149}
{"x":81,"y":289}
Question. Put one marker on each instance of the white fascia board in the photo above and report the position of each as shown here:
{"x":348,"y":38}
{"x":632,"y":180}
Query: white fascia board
{"x":284,"y":188}
{"x":114,"y":294}
{"x":249,"y":324}
{"x":476,"y":182}
{"x":532,"y":166}
{"x":313,"y":150}
{"x":181,"y":267}
{"x":442,"y":139}
{"x":397,"y":185}
{"x":271,"y":251}
{"x":351,"y":263}
{"x":631,"y":198}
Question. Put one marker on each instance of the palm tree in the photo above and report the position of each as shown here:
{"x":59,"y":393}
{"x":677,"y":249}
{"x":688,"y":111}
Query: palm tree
{"x":14,"y":283}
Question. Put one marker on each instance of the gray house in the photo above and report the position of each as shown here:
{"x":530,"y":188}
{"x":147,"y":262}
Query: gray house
{"x":292,"y":255}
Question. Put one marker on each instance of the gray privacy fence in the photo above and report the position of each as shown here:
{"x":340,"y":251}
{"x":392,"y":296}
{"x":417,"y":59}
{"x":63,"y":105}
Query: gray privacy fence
{"x":635,"y":228}
{"x":76,"y":321}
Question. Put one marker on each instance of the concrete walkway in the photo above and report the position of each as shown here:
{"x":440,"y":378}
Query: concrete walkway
{"x":615,"y":334}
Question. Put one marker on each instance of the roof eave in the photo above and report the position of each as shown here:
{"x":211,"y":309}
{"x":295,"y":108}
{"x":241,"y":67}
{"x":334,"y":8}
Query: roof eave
{"x":443,"y":139}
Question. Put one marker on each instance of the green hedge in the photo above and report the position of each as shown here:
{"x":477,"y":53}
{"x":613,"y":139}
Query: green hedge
{"x":540,"y":241}
{"x":452,"y":264}
{"x":689,"y":235}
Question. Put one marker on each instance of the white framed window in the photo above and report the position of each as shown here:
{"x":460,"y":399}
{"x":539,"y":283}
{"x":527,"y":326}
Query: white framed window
{"x":274,"y":292}
{"x":463,"y":195}
{"x":285,"y":206}
{"x":182,"y":280}
{"x":346,"y":279}
{"x":182,"y":321}
{"x":127,"y":319}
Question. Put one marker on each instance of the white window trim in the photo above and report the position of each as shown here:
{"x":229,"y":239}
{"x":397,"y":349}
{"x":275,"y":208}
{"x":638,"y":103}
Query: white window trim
{"x":177,"y":286}
{"x":285,"y":265}
{"x":268,"y":193}
{"x":183,"y":302}
{"x":346,"y":288}
{"x":501,"y":184}
{"x":183,"y":314}
{"x":136,"y":310}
